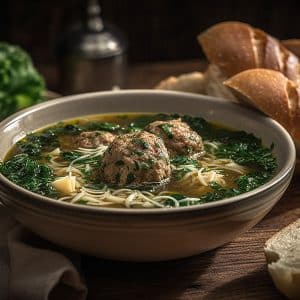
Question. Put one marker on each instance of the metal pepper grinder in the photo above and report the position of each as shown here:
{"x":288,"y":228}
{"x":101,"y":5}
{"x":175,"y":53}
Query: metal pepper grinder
{"x":93,"y":55}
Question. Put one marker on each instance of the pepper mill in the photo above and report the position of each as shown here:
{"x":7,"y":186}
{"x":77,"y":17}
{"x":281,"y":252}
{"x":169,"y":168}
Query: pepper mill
{"x":93,"y":55}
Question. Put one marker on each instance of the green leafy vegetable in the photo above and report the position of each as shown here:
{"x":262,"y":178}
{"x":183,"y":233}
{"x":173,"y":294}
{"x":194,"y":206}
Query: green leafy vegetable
{"x":105,"y":126}
{"x":20,"y":83}
{"x":29,"y":174}
{"x":68,"y":129}
{"x":166,"y":128}
{"x":140,"y":142}
{"x":248,"y":153}
{"x":244,"y":148}
{"x":33,"y":144}
{"x":183,"y":160}
{"x":141,"y":122}
{"x":145,"y":166}
{"x":72,"y":155}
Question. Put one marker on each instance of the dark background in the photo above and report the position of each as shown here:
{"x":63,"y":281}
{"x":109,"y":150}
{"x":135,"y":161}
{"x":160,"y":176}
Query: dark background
{"x":157,"y":30}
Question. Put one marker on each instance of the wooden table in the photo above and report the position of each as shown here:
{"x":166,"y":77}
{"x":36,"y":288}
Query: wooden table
{"x":234,"y":271}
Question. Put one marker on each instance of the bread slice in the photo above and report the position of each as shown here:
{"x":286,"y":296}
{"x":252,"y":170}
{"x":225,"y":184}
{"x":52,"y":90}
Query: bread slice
{"x":190,"y":82}
{"x":282,"y":252}
{"x":235,"y":47}
{"x":272,"y":93}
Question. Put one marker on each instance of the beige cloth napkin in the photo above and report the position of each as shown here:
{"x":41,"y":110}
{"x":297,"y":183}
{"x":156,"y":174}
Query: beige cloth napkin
{"x":33,"y":269}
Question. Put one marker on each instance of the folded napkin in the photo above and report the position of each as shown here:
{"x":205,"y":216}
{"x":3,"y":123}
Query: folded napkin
{"x":34,"y":269}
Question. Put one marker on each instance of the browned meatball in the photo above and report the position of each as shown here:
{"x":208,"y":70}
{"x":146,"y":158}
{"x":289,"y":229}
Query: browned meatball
{"x":135,"y":158}
{"x":93,"y":139}
{"x":178,"y":137}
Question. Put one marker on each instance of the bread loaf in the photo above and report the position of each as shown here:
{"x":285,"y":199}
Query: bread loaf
{"x":213,"y":84}
{"x":191,"y":82}
{"x":283,"y":256}
{"x":292,"y":45}
{"x":272,"y":93}
{"x":234,"y":47}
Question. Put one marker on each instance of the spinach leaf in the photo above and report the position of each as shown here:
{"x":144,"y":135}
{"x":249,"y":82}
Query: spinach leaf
{"x":105,"y":126}
{"x":248,"y":154}
{"x":34,"y":143}
{"x":183,"y":160}
{"x":72,"y":155}
{"x":141,"y":122}
{"x":29,"y":174}
{"x":166,"y":128}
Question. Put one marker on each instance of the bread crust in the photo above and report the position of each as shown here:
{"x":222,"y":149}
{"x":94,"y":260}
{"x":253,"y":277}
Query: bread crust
{"x":292,"y":45}
{"x":219,"y":43}
{"x":282,"y":254}
{"x":272,"y":93}
{"x":190,"y":82}
{"x":236,"y":46}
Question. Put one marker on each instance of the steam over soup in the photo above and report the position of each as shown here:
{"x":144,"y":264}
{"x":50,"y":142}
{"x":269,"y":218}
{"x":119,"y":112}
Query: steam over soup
{"x":139,"y":161}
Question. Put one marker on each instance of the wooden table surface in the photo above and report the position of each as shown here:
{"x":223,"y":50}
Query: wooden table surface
{"x":234,"y":271}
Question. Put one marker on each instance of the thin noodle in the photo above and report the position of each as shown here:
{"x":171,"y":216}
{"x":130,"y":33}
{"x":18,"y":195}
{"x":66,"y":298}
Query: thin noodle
{"x":210,"y":170}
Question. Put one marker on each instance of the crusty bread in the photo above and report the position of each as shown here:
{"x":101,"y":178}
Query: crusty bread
{"x":292,"y":45}
{"x":234,"y":47}
{"x":282,"y":252}
{"x":191,"y":82}
{"x":272,"y":93}
{"x":213,"y":84}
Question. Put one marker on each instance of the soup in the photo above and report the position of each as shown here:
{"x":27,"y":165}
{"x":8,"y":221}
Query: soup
{"x":139,"y":161}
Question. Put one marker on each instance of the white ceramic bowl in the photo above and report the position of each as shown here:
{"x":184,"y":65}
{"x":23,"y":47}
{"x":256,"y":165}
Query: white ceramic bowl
{"x":141,"y":234}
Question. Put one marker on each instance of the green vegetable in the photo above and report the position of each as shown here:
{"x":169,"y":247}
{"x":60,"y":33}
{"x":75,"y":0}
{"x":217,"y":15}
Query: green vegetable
{"x":105,"y":126}
{"x":248,"y":153}
{"x":68,"y":129}
{"x":141,"y":122}
{"x":244,"y":183}
{"x":29,"y":174}
{"x":20,"y":83}
{"x":183,"y":160}
{"x":205,"y":129}
{"x":145,"y":166}
{"x":72,"y":155}
{"x":140,"y":142}
{"x":34,"y":143}
{"x":244,"y":148}
{"x":166,"y":128}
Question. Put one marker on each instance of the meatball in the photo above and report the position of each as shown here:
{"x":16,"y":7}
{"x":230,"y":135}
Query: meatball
{"x":136,"y":159}
{"x":93,"y":139}
{"x":178,"y":137}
